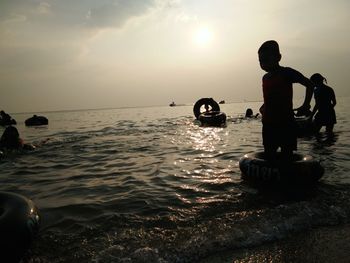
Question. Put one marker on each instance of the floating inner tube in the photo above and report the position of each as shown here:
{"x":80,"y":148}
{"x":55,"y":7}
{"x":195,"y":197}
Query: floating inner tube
{"x":202,"y":102}
{"x":19,"y":224}
{"x":212,"y":118}
{"x":10,"y":122}
{"x":303,"y":169}
{"x":36,"y":121}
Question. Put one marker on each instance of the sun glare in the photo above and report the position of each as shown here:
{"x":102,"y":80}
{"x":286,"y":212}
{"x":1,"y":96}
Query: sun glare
{"x":203,"y":36}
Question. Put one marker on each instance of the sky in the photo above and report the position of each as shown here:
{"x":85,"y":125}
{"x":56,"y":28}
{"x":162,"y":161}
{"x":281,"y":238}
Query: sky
{"x":87,"y":54}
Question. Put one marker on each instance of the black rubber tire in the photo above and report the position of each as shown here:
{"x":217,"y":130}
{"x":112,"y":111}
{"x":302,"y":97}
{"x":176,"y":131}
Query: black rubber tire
{"x":19,"y":224}
{"x":209,"y":101}
{"x":304,"y":127}
{"x":11,"y":122}
{"x":36,"y":121}
{"x":212,"y":118}
{"x":303,"y":169}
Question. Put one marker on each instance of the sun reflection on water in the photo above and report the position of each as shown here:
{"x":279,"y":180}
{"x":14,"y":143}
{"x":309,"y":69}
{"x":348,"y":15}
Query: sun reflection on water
{"x":205,"y":139}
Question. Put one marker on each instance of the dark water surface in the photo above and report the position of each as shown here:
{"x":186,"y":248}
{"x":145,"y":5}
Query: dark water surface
{"x":150,"y":185}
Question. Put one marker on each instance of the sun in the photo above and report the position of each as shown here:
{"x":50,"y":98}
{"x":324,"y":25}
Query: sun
{"x":203,"y":36}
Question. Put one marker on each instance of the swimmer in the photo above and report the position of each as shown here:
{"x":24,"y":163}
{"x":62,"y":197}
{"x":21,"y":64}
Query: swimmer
{"x":10,"y":140}
{"x":249,"y":114}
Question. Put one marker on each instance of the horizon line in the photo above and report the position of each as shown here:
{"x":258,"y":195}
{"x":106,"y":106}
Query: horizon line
{"x":124,"y":107}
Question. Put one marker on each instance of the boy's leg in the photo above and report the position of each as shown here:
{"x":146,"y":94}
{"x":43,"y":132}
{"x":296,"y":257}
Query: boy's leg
{"x":287,"y":153}
{"x":317,"y":123}
{"x":270,"y":142}
{"x":329,"y":128}
{"x":270,"y":152}
{"x":289,"y":141}
{"x":316,"y":127}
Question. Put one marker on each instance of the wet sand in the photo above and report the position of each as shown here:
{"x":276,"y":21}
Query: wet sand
{"x":326,"y":244}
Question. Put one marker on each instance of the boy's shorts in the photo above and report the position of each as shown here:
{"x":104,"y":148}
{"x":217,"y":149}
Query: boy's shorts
{"x":280,"y":135}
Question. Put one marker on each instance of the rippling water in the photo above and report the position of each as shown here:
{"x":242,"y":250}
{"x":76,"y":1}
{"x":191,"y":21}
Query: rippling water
{"x":150,"y":185}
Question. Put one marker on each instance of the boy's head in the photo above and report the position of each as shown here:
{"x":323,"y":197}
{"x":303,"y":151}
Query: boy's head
{"x":249,"y":112}
{"x":10,"y":137}
{"x":269,"y":55}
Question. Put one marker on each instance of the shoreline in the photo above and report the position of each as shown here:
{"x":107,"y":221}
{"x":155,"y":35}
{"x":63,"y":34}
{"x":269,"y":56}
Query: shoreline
{"x":321,"y":245}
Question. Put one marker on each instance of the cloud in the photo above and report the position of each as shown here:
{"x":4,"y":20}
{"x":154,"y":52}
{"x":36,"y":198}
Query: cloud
{"x":115,"y":13}
{"x":68,"y":13}
{"x":44,"y":8}
{"x":28,"y":59}
{"x":37,"y":33}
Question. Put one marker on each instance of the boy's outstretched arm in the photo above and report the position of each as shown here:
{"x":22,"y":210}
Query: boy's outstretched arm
{"x":308,"y":94}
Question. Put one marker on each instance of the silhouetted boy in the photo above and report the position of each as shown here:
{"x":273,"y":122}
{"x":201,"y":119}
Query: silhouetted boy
{"x":277,"y":112}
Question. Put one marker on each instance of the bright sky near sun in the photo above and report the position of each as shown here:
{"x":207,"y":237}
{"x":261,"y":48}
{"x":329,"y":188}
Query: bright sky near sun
{"x":62,"y":55}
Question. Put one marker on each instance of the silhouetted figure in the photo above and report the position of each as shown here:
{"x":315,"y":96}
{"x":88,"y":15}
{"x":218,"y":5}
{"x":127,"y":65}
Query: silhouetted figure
{"x":279,"y":128}
{"x":249,"y":114}
{"x":206,"y":106}
{"x":10,"y":140}
{"x":324,"y":104}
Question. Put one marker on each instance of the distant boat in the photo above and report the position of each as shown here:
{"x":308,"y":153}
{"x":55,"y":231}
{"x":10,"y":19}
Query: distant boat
{"x":172,"y":104}
{"x":222,"y":102}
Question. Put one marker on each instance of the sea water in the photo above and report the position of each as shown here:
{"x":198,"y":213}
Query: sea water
{"x":151,"y":185}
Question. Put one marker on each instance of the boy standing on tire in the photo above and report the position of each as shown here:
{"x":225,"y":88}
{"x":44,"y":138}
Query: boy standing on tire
{"x":277,"y":111}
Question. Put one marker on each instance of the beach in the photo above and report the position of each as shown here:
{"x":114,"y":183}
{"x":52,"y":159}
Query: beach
{"x":325,"y":244}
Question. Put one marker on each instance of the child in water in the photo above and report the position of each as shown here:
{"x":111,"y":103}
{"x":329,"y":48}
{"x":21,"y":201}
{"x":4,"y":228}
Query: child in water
{"x":279,"y":128}
{"x":249,"y":114}
{"x":324,"y":104}
{"x":10,"y":140}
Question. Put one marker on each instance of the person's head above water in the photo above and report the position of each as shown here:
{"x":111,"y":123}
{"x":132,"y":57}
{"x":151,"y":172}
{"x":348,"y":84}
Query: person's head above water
{"x":318,"y":79}
{"x":10,"y":138}
{"x":269,"y":55}
{"x":249,"y":112}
